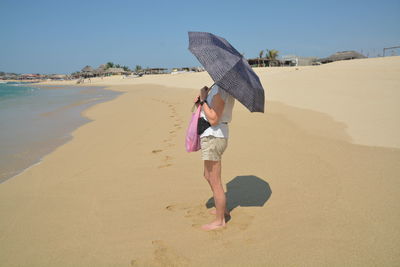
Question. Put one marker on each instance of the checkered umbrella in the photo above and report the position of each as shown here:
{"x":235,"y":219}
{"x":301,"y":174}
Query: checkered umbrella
{"x":228,"y":68}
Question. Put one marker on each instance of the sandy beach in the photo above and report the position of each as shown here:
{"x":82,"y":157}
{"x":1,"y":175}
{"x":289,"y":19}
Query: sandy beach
{"x":314,"y":181}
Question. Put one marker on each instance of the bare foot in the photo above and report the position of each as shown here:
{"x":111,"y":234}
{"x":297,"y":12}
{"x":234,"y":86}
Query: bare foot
{"x":213,"y":225}
{"x":214,"y":212}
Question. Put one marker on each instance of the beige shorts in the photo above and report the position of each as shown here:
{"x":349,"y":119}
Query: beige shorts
{"x":212,"y":147}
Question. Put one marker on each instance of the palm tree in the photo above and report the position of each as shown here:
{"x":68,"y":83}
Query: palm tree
{"x":109,"y":65}
{"x":272,"y":56}
{"x":138,"y":68}
{"x":126,"y":68}
{"x":260,"y":57}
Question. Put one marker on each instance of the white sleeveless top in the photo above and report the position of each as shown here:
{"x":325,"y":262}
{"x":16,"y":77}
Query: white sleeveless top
{"x":221,"y":129}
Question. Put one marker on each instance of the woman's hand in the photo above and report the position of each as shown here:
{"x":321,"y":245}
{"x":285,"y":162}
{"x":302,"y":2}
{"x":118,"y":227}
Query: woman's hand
{"x":204,"y":93}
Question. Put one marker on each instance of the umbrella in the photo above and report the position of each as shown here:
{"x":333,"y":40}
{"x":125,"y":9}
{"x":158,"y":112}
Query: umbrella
{"x":228,"y":68}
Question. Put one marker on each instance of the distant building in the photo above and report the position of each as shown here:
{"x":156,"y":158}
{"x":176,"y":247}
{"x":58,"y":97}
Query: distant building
{"x":87,"y":72}
{"x":293,"y":60}
{"x":288,"y":60}
{"x":344,"y":55}
{"x":29,"y":76}
{"x":155,"y":71}
{"x":59,"y":77}
{"x":187,"y":69}
{"x":115,"y":71}
{"x":9,"y":76}
{"x":262,"y":62}
{"x":100,"y":71}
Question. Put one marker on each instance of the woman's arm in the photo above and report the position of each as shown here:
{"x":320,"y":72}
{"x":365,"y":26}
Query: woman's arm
{"x":214,"y":114}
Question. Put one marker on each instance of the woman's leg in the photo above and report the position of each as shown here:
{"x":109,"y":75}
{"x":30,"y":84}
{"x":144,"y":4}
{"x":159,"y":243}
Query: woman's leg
{"x":207,"y":173}
{"x":207,"y":177}
{"x":213,"y":170}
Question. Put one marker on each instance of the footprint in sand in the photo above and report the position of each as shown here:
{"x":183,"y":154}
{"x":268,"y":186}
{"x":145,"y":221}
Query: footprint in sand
{"x":199,"y":215}
{"x":163,"y":255}
{"x":171,"y":207}
{"x":171,"y":135}
{"x":167,"y":158}
{"x":165,"y":166}
{"x":167,"y":161}
{"x":242,"y":220}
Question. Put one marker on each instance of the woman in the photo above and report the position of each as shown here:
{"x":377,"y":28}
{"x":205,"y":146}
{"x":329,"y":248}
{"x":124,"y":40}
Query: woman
{"x":217,"y":105}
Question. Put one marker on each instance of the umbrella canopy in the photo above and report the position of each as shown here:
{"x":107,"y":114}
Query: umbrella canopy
{"x":228,"y":68}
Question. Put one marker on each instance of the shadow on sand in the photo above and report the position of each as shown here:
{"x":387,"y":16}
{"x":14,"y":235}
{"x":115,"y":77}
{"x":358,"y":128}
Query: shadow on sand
{"x":245,"y":191}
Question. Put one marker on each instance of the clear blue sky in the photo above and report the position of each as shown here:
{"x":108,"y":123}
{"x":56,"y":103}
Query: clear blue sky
{"x":54,"y":36}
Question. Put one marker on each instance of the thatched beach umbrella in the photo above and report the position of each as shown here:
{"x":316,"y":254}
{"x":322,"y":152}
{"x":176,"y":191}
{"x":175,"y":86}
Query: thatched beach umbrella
{"x":87,"y":71}
{"x":113,"y":71}
{"x":101,"y":70}
{"x":102,"y":67}
{"x":344,"y":55}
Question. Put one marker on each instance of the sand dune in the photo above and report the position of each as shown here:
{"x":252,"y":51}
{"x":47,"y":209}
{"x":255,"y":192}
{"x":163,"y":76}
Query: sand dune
{"x":311,"y":182}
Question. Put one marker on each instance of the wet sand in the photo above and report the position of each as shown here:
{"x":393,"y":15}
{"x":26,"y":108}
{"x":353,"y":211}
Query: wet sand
{"x":35,"y":123}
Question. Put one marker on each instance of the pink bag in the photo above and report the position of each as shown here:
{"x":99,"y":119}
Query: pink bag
{"x":192,"y":138}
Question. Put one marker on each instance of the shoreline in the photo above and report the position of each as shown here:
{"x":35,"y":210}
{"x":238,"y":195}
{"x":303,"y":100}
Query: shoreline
{"x":52,"y":144}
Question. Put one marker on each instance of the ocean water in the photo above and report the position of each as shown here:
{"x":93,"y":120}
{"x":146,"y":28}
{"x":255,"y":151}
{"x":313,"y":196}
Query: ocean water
{"x":35,"y":120}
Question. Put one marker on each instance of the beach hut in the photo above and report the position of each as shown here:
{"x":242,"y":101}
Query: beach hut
{"x":155,"y":71}
{"x":293,"y":60}
{"x":115,"y":71}
{"x":87,"y":71}
{"x":10,"y":76}
{"x":343,"y":55}
{"x":180,"y":70}
{"x":58,"y":77}
{"x":101,"y":70}
{"x":256,"y":62}
{"x":29,"y":76}
{"x":102,"y":67}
